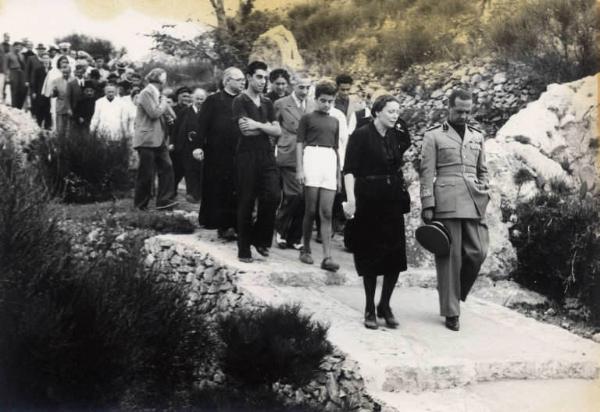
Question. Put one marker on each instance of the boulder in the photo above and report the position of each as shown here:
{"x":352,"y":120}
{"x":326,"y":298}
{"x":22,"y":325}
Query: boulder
{"x":278,"y":48}
{"x":17,"y":125}
{"x":554,"y":137}
{"x":538,"y":140}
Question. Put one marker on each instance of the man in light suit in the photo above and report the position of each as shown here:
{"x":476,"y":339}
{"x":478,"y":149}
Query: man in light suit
{"x":454,"y":191}
{"x":150,"y":140}
{"x":288,"y":111}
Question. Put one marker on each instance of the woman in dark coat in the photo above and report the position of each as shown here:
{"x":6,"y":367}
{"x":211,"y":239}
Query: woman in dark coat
{"x":377,"y":200}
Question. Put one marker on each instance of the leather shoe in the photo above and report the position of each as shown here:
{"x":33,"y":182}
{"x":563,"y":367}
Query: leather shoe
{"x":386,"y":313}
{"x":263,"y":251}
{"x":370,"y":320}
{"x":305,"y":257}
{"x":452,"y":323}
{"x":246,"y":259}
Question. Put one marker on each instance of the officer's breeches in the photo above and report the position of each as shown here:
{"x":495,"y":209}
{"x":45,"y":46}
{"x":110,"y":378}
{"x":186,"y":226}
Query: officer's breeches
{"x":457,"y":271}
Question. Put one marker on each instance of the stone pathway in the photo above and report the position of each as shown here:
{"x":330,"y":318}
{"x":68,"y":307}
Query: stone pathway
{"x":422,"y":365}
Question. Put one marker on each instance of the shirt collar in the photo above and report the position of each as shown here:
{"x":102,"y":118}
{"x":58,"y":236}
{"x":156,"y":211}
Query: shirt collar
{"x":296,"y":100}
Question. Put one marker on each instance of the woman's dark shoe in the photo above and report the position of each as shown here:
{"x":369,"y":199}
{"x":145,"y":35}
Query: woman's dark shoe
{"x":390,"y":319}
{"x":370,"y":320}
{"x":452,"y":323}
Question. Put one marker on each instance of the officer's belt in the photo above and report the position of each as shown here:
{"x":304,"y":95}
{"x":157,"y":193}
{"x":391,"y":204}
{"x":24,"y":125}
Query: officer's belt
{"x":453,"y":170}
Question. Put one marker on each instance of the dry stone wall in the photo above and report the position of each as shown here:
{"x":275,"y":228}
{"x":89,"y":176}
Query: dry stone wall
{"x":212,"y":287}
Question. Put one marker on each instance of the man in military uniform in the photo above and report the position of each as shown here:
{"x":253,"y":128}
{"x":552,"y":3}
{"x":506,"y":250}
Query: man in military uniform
{"x":454,"y":191}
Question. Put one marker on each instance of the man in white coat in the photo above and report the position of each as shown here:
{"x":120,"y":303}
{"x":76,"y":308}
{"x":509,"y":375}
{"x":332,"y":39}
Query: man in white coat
{"x":109,"y":112}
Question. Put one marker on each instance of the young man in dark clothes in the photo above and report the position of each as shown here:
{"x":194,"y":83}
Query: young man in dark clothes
{"x":257,"y":175}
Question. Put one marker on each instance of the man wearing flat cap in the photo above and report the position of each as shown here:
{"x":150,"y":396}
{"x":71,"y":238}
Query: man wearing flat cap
{"x":454,"y":191}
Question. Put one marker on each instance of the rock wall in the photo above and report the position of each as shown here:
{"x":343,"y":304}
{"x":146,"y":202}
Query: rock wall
{"x":212,"y":286}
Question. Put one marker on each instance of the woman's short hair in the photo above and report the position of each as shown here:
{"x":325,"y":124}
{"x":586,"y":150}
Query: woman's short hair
{"x":61,"y":60}
{"x":381,"y":102}
{"x":325,"y":87}
{"x":154,"y":75}
{"x":277,"y":73}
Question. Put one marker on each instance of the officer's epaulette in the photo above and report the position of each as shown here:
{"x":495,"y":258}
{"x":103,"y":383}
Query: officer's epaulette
{"x":437,"y":126}
{"x":473,"y":128}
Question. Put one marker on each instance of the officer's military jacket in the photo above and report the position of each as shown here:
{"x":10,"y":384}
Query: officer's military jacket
{"x":453,"y":173}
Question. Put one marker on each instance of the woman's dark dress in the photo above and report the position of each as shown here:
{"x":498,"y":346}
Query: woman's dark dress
{"x":379,"y":244}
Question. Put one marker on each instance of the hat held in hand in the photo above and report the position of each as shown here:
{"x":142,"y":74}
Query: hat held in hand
{"x":434,"y":237}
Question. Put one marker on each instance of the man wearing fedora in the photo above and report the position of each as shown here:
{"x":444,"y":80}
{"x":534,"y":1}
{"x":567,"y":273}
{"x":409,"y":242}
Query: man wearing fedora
{"x":454,"y":191}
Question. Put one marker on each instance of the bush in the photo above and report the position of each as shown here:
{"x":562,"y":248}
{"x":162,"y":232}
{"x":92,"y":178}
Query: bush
{"x":557,"y":239}
{"x":81,"y":168}
{"x":101,"y":334}
{"x":254,"y":399}
{"x":416,"y":43}
{"x":83,"y":334}
{"x":556,"y":37}
{"x":187,"y":72}
{"x":276,"y":344}
{"x":30,"y":241}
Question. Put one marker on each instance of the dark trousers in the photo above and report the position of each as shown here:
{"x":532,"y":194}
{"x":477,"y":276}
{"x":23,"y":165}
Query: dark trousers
{"x":185,"y":166}
{"x":18,"y":91}
{"x":291,"y":211}
{"x":41,"y":111}
{"x":154,"y":160}
{"x":257,"y":179}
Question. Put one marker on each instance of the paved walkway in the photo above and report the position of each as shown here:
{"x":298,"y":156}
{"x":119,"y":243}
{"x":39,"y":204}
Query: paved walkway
{"x":422,"y":365}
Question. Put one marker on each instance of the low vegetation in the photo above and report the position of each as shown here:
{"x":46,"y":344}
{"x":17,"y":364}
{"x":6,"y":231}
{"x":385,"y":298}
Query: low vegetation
{"x":557,"y":239}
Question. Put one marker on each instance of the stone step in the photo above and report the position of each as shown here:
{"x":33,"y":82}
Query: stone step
{"x":564,"y":395}
{"x":494,"y":343}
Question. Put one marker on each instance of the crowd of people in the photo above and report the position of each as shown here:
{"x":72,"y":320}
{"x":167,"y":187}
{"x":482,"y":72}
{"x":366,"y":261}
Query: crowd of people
{"x":271,"y":154}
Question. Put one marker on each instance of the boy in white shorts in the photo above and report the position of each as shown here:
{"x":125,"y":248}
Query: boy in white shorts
{"x":318,"y":169}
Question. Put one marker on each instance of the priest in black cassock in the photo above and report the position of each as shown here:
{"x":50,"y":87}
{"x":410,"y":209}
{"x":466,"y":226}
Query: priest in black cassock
{"x":190,"y":168}
{"x":218,"y":137}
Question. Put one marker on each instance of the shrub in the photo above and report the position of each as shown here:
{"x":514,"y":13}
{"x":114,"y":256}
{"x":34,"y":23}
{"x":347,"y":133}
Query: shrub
{"x":557,"y":239}
{"x":82,"y":168}
{"x":256,"y":399}
{"x":83,"y":334}
{"x":276,"y":344}
{"x":557,"y":37}
{"x":30,"y":241}
{"x":417,"y":41}
{"x":101,"y":333}
{"x":186,"y":72}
